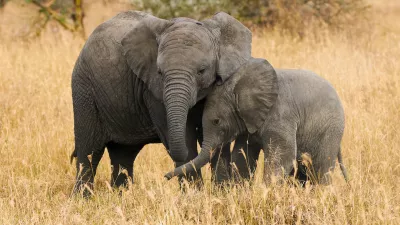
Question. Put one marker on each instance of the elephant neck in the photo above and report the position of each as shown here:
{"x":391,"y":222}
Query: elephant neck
{"x":144,"y":101}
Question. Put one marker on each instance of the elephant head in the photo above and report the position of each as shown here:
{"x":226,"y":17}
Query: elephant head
{"x":241,"y":104}
{"x":179,"y":60}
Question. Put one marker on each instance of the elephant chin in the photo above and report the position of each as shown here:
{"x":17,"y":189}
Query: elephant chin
{"x":196,"y":164}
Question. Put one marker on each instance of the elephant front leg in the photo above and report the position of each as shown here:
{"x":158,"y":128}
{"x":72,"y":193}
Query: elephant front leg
{"x":122,"y":159}
{"x":279,"y":156}
{"x":221,"y":165}
{"x":244,"y":157}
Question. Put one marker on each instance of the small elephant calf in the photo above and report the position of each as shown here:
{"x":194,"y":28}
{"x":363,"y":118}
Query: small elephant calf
{"x":285,"y":112}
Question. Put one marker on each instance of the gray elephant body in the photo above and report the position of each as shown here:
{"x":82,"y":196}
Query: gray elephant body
{"x":139,"y":80}
{"x":285,"y":112}
{"x":306,"y":118}
{"x":113,"y":107}
{"x":103,"y":80}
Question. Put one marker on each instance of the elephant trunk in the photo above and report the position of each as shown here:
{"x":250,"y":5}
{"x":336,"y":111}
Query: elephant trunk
{"x":196,"y":164}
{"x":178,"y":99}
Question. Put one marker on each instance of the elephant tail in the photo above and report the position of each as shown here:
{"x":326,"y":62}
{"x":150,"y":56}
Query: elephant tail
{"x":342,"y":167}
{"x":73,"y":155}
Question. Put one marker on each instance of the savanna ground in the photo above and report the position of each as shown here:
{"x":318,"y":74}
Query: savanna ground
{"x":36,"y":138}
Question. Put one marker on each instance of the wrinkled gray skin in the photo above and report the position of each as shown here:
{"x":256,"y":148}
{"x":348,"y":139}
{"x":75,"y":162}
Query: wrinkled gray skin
{"x":285,"y":112}
{"x":136,"y":79}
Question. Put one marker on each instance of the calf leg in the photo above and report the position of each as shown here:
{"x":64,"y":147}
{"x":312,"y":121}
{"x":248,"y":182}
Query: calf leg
{"x":220,"y":165}
{"x":244,"y":157}
{"x":325,"y":153}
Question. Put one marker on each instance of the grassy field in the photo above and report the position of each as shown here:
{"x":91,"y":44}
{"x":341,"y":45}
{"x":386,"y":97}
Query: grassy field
{"x":36,"y":139}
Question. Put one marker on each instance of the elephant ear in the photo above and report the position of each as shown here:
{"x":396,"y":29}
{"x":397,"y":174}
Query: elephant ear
{"x":255,"y":92}
{"x":140,"y":48}
{"x":234,"y":43}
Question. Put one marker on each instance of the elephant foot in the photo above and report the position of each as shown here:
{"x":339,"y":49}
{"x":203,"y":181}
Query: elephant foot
{"x":190,"y":183}
{"x":191,"y":180}
{"x":84,"y":189}
{"x":121,"y":181}
{"x":121,"y":184}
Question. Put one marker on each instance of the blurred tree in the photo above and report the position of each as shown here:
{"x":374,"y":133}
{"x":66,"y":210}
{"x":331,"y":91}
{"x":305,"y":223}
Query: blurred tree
{"x":68,"y":13}
{"x":2,"y":3}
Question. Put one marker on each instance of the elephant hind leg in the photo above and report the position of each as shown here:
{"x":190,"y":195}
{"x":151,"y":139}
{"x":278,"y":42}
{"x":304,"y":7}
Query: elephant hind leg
{"x":325,"y":154}
{"x":90,"y":140}
{"x":122,"y":160}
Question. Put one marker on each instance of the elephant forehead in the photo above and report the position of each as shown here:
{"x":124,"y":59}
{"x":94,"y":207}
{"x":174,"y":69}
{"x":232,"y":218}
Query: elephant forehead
{"x":211,"y":110}
{"x":186,"y":19}
{"x":191,"y":57}
{"x":218,"y":98}
{"x":215,"y":110}
{"x":185,"y":36}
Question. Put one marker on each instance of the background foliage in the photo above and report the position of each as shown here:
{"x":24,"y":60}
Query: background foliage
{"x":287,"y":14}
{"x":295,"y":16}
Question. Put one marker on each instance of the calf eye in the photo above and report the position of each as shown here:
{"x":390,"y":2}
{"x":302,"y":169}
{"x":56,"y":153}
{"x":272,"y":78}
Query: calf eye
{"x":215,"y":122}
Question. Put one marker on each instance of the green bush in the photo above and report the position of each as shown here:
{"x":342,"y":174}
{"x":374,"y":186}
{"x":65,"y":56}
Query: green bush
{"x":287,"y":14}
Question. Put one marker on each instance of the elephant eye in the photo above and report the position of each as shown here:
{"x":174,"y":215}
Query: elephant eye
{"x":216,"y":122}
{"x":159,"y":71}
{"x":201,"y":72}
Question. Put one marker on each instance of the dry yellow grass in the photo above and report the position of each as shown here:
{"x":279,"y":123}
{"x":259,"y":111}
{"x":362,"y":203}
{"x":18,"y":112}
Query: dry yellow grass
{"x":36,"y":138}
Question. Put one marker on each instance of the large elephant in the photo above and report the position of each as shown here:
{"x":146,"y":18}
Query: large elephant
{"x":284,"y":112}
{"x":136,"y":78}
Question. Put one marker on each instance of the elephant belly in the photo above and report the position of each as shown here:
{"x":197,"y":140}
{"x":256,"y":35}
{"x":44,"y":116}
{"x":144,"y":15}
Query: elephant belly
{"x":130,"y":129}
{"x":124,"y":114}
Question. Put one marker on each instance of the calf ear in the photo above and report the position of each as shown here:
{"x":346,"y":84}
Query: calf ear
{"x":140,"y":48}
{"x":256,"y":92}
